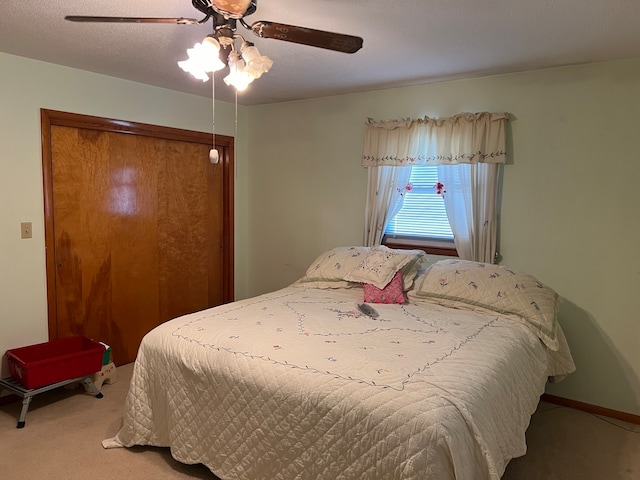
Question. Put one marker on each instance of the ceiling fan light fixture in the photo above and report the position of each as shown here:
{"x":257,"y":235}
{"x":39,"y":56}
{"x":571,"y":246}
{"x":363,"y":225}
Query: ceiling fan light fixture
{"x":238,"y":77}
{"x":256,"y":64}
{"x":203,"y":58}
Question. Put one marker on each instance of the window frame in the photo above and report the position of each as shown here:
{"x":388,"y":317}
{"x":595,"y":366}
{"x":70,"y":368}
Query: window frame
{"x":430,"y":246}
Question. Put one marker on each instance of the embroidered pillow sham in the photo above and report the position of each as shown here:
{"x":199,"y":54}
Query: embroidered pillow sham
{"x":379,"y":264}
{"x":345,"y":267}
{"x":492,"y":289}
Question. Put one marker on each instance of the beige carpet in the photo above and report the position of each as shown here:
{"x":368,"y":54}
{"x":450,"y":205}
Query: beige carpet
{"x":64,"y":428}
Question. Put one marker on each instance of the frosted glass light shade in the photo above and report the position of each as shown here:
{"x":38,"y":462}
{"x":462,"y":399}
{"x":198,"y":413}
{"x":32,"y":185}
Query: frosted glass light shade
{"x":203,"y":58}
{"x":238,"y":77}
{"x":256,"y":64}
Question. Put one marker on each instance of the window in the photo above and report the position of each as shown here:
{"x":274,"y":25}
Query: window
{"x":422,"y":220}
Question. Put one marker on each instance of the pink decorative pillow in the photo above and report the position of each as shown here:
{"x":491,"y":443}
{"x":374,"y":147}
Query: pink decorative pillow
{"x":391,"y":293}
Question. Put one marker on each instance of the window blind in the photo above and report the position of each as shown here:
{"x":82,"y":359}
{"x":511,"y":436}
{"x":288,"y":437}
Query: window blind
{"x":422,"y":214}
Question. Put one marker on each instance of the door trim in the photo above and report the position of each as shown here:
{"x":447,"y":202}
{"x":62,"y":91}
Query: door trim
{"x":225,"y":144}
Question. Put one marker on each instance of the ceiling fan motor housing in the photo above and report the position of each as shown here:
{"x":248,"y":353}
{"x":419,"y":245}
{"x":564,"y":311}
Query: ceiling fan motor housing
{"x":227,"y":8}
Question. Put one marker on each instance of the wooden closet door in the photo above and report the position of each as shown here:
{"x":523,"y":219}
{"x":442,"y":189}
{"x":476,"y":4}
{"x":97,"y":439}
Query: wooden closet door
{"x":138,"y":234}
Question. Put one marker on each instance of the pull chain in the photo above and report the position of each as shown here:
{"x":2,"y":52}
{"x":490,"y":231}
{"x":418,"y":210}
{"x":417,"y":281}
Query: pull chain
{"x":213,"y":153}
{"x":235,"y":170}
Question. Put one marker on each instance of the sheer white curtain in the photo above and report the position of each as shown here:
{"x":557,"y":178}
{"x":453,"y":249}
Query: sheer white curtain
{"x":468,"y":146}
{"x":471,"y":206}
{"x":385,"y":189}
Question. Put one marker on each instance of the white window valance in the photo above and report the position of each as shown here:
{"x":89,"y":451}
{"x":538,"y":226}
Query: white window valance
{"x":463,"y":138}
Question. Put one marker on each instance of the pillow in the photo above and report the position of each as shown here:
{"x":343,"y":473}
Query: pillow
{"x":411,"y":269}
{"x":347,"y":267}
{"x":378,"y":265}
{"x":393,"y":292}
{"x":329,"y":269}
{"x":492,"y":289}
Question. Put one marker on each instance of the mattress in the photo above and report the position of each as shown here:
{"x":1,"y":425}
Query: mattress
{"x":300,"y":384}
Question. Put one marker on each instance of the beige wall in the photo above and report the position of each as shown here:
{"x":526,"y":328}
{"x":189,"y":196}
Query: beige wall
{"x":26,"y":86}
{"x":300,"y":190}
{"x":569,"y":203}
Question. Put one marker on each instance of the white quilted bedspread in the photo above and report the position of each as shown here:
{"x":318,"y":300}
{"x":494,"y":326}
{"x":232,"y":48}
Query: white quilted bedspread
{"x":298,"y":384}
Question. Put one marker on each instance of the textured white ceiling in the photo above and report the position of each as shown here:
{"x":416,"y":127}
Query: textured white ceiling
{"x":406,"y":42}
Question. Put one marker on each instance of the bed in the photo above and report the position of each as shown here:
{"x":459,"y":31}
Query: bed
{"x":370,"y":366}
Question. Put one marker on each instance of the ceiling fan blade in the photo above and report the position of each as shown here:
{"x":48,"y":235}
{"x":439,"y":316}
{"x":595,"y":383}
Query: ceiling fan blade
{"x":307,"y":36}
{"x":179,"y":21}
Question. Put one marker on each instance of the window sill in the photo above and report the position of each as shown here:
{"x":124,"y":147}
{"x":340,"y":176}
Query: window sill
{"x":432,"y":247}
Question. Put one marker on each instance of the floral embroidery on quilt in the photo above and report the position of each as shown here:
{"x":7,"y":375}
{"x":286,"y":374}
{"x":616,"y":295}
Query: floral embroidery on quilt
{"x":336,"y":334}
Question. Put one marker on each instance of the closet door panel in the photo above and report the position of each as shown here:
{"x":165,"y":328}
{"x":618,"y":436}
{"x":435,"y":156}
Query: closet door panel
{"x":138,"y":228}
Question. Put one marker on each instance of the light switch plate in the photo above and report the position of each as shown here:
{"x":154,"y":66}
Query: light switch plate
{"x":26,"y":230}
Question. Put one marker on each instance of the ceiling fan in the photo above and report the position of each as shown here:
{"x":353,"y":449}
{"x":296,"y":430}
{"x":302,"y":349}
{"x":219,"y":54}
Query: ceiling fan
{"x":225,"y":15}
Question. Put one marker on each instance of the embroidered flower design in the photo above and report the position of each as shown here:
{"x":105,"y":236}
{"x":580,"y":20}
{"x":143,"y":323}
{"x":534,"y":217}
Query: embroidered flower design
{"x":404,"y":190}
{"x":440,"y":189}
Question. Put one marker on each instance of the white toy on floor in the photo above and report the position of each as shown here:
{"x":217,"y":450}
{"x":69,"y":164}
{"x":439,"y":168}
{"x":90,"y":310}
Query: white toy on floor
{"x":106,"y":375}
